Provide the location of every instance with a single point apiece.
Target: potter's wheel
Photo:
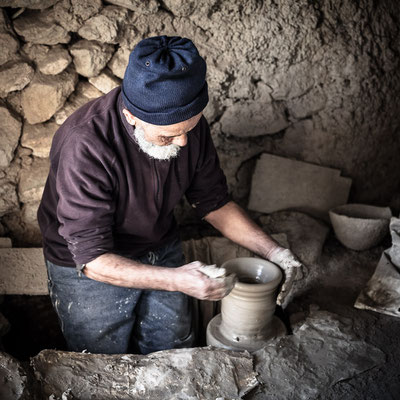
(216, 338)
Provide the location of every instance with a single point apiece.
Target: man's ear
(129, 117)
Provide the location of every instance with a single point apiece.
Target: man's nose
(180, 140)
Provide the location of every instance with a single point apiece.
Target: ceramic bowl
(360, 226)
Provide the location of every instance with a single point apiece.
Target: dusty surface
(334, 286)
(201, 373)
(321, 352)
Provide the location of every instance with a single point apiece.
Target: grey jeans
(104, 318)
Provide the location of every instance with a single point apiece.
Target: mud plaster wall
(318, 81)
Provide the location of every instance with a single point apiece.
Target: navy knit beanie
(164, 82)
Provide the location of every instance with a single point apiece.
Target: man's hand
(289, 263)
(193, 280)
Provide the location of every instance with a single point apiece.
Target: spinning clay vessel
(247, 318)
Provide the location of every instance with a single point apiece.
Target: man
(119, 166)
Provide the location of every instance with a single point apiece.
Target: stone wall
(314, 81)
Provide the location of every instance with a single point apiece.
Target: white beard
(152, 150)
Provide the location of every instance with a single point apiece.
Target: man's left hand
(289, 263)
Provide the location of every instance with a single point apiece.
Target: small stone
(14, 76)
(38, 137)
(104, 27)
(39, 27)
(90, 57)
(99, 28)
(14, 102)
(84, 92)
(71, 14)
(32, 180)
(55, 61)
(8, 43)
(10, 131)
(35, 4)
(139, 6)
(181, 8)
(46, 94)
(119, 62)
(35, 51)
(105, 81)
(8, 198)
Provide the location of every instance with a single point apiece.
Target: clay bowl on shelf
(360, 226)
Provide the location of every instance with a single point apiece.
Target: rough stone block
(35, 51)
(139, 6)
(55, 61)
(199, 373)
(38, 137)
(105, 81)
(23, 271)
(14, 76)
(181, 8)
(84, 92)
(71, 14)
(33, 179)
(100, 28)
(39, 27)
(46, 94)
(10, 131)
(279, 184)
(90, 57)
(322, 351)
(119, 62)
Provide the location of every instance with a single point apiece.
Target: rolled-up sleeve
(208, 190)
(86, 203)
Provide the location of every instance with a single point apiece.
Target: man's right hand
(191, 281)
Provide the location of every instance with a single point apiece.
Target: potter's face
(161, 142)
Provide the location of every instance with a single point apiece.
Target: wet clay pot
(360, 226)
(247, 318)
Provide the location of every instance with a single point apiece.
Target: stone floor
(331, 285)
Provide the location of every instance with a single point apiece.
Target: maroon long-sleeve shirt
(103, 194)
